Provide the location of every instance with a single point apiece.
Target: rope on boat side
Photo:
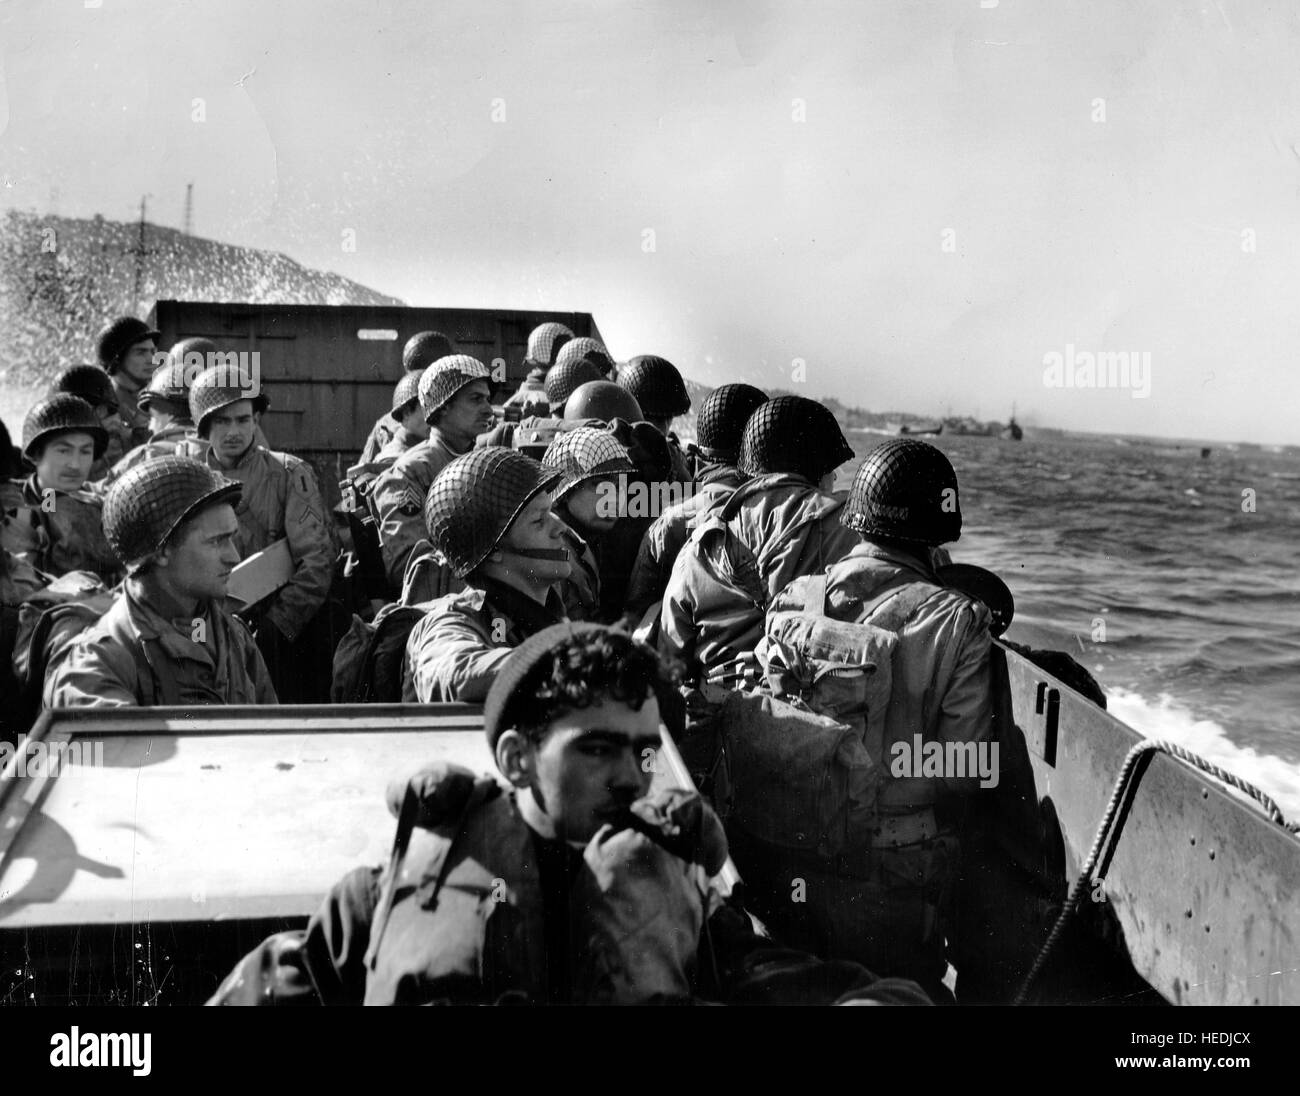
(1122, 784)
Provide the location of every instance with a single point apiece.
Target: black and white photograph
(770, 505)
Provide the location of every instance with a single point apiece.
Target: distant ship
(1012, 431)
(920, 428)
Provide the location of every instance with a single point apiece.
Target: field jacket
(738, 557)
(138, 656)
(69, 531)
(281, 499)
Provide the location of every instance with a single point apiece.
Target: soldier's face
(593, 764)
(65, 462)
(467, 414)
(537, 527)
(198, 562)
(159, 417)
(230, 429)
(413, 422)
(588, 505)
(138, 363)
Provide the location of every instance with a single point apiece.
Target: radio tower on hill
(189, 209)
(139, 251)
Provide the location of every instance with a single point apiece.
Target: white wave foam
(1168, 719)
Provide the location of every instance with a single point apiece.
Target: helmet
(602, 400)
(584, 454)
(408, 389)
(447, 376)
(588, 350)
(792, 434)
(88, 382)
(61, 414)
(657, 386)
(216, 388)
(424, 348)
(723, 417)
(905, 489)
(472, 502)
(565, 376)
(186, 350)
(147, 503)
(545, 343)
(118, 337)
(168, 383)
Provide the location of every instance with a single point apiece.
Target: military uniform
(281, 500)
(454, 653)
(397, 500)
(173, 439)
(139, 655)
(69, 534)
(132, 424)
(772, 530)
(668, 533)
(580, 592)
(384, 430)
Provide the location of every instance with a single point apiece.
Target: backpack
(803, 749)
(47, 624)
(368, 659)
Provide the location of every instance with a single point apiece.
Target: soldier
(544, 343)
(903, 504)
(456, 395)
(92, 384)
(167, 640)
(51, 518)
(280, 500)
(571, 369)
(721, 424)
(126, 351)
(586, 500)
(781, 524)
(408, 413)
(421, 350)
(661, 394)
(489, 517)
(166, 401)
(575, 883)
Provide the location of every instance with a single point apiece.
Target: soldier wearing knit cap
(604, 877)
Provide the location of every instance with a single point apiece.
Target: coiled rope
(1123, 783)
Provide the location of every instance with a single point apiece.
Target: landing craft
(1100, 868)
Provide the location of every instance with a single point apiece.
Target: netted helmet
(61, 414)
(118, 337)
(722, 420)
(219, 387)
(447, 376)
(407, 390)
(168, 384)
(565, 377)
(588, 350)
(905, 489)
(603, 400)
(147, 504)
(792, 434)
(585, 453)
(545, 343)
(87, 382)
(657, 386)
(424, 348)
(473, 501)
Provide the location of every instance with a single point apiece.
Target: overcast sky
(919, 201)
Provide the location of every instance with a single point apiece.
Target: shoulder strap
(899, 602)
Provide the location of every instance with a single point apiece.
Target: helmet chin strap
(555, 555)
